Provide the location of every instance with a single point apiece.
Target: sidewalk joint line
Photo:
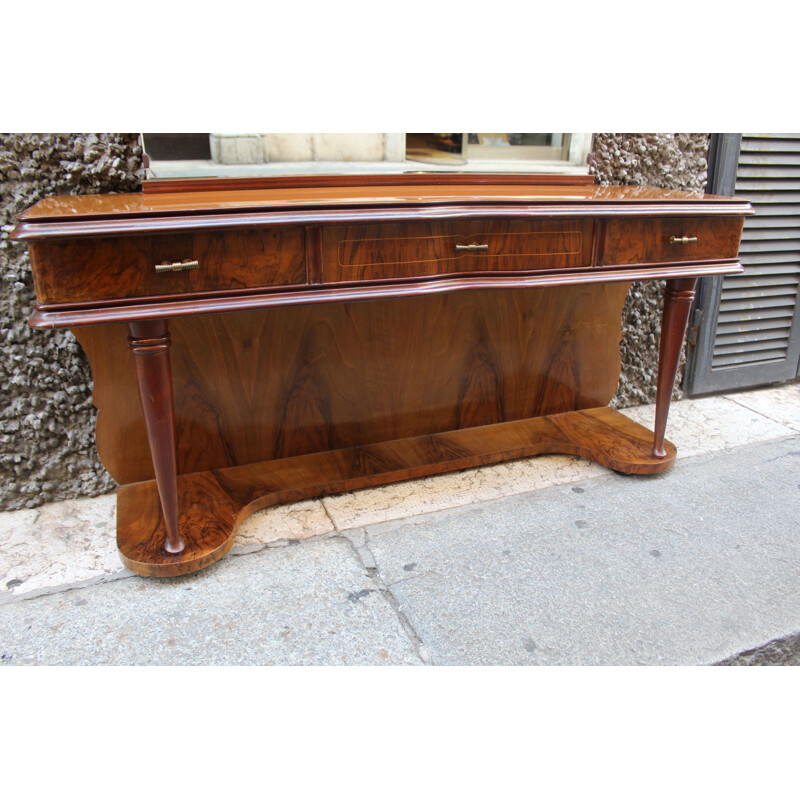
(420, 648)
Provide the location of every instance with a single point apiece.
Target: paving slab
(72, 543)
(311, 603)
(712, 423)
(780, 403)
(688, 567)
(421, 496)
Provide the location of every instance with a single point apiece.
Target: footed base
(213, 504)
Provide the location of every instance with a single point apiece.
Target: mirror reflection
(180, 155)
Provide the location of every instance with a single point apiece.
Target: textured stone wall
(47, 447)
(669, 161)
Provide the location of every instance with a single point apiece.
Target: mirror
(185, 155)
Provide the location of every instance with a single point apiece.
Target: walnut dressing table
(262, 341)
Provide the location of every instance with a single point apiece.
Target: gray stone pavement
(691, 567)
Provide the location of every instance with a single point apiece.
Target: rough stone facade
(669, 161)
(47, 447)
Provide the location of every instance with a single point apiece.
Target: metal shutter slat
(779, 313)
(782, 232)
(766, 185)
(760, 221)
(744, 327)
(753, 304)
(766, 158)
(772, 171)
(747, 359)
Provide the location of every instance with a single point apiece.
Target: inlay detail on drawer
(365, 252)
(74, 271)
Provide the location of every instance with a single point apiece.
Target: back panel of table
(257, 385)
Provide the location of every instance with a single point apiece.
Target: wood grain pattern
(149, 342)
(637, 241)
(78, 271)
(255, 386)
(308, 389)
(172, 185)
(379, 252)
(77, 208)
(678, 297)
(169, 308)
(215, 503)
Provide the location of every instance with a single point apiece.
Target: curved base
(213, 504)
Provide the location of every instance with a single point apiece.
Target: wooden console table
(263, 341)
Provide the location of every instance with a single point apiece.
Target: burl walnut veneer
(259, 341)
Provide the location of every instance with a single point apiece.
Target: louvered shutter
(750, 323)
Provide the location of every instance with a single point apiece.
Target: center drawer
(408, 250)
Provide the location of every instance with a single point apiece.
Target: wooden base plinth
(213, 504)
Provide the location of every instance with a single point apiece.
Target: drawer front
(376, 252)
(659, 239)
(105, 269)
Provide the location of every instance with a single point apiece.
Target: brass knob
(471, 248)
(177, 266)
(682, 239)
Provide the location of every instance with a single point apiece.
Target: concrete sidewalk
(549, 560)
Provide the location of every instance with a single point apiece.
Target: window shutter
(752, 333)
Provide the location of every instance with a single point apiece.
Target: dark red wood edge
(85, 227)
(411, 178)
(315, 280)
(74, 317)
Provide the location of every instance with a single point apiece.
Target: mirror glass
(185, 155)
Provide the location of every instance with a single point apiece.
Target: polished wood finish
(678, 297)
(638, 241)
(150, 342)
(204, 211)
(364, 347)
(380, 252)
(215, 503)
(172, 185)
(80, 271)
(253, 387)
(168, 308)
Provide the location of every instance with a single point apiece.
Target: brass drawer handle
(177, 266)
(471, 248)
(682, 239)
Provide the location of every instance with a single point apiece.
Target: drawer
(408, 250)
(106, 269)
(644, 241)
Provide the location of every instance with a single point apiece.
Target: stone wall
(669, 161)
(47, 447)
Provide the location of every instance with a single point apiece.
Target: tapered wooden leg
(677, 303)
(150, 342)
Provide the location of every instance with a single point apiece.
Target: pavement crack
(366, 559)
(328, 515)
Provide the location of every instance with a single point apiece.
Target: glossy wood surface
(80, 271)
(77, 208)
(637, 241)
(215, 503)
(370, 252)
(172, 185)
(364, 348)
(255, 386)
(678, 297)
(172, 307)
(149, 342)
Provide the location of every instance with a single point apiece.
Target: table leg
(677, 303)
(150, 342)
